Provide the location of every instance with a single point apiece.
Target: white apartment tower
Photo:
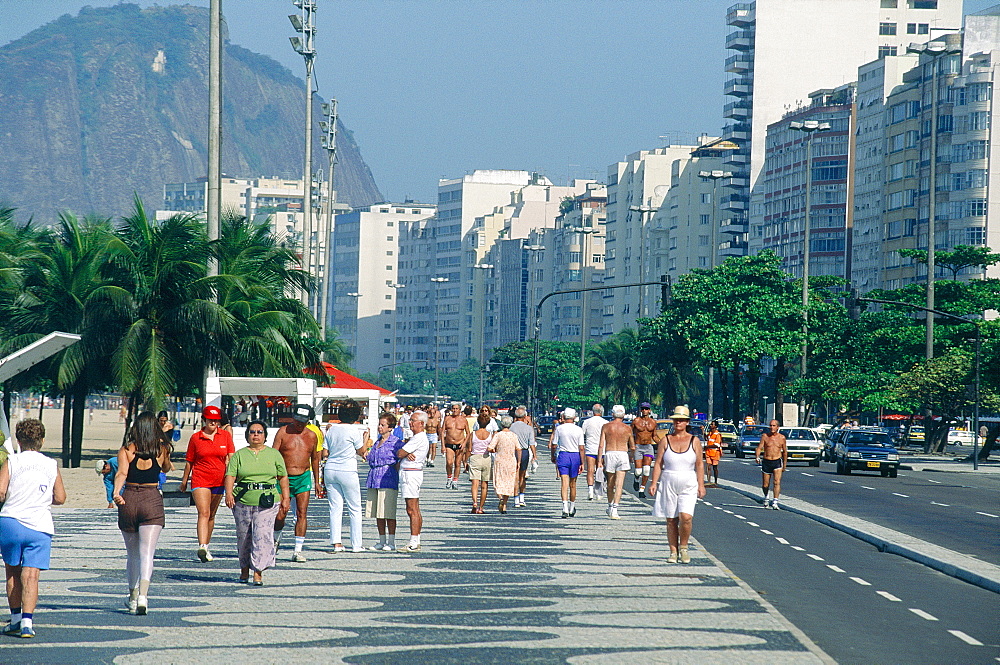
(364, 271)
(781, 50)
(636, 188)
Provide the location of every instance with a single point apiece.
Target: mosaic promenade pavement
(526, 587)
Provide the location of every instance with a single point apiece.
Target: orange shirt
(714, 447)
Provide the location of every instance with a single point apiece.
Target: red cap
(211, 413)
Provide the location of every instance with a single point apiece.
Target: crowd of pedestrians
(263, 484)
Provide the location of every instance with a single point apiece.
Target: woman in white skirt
(678, 481)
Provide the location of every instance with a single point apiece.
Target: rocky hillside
(115, 101)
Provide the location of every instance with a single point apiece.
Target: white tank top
(29, 495)
(479, 446)
(679, 462)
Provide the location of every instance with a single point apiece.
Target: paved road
(527, 587)
(859, 605)
(960, 511)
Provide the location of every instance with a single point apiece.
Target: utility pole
(714, 177)
(214, 195)
(644, 211)
(329, 141)
(305, 24)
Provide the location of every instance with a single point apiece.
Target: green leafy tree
(558, 372)
(959, 258)
(616, 369)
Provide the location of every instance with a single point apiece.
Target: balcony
(738, 181)
(733, 248)
(741, 40)
(737, 132)
(741, 15)
(735, 226)
(741, 63)
(739, 87)
(737, 159)
(737, 202)
(738, 110)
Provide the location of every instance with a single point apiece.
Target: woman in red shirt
(208, 454)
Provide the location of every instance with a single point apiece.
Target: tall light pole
(585, 234)
(305, 24)
(643, 211)
(482, 327)
(329, 142)
(437, 281)
(934, 50)
(714, 177)
(395, 322)
(213, 212)
(354, 295)
(809, 127)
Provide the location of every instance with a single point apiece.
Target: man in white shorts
(591, 439)
(411, 476)
(614, 449)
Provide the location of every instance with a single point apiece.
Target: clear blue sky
(437, 88)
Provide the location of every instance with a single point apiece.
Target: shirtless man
(456, 431)
(434, 425)
(772, 455)
(643, 428)
(298, 445)
(613, 452)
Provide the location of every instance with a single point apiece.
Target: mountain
(115, 101)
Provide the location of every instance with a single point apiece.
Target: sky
(437, 88)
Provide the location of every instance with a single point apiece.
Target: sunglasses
(255, 431)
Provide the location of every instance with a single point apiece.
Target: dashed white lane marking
(839, 482)
(747, 463)
(923, 615)
(936, 482)
(905, 496)
(781, 540)
(753, 524)
(739, 517)
(706, 502)
(765, 531)
(836, 569)
(965, 638)
(809, 474)
(814, 556)
(867, 488)
(728, 512)
(946, 505)
(987, 514)
(861, 581)
(889, 596)
(798, 549)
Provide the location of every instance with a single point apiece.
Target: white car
(804, 445)
(960, 437)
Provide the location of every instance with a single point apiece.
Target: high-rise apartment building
(364, 272)
(787, 174)
(783, 49)
(636, 189)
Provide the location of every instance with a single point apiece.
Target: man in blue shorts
(568, 454)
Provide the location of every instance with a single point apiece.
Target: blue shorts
(525, 458)
(568, 464)
(21, 546)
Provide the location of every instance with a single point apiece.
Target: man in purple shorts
(568, 454)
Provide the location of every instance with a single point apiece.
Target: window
(704, 219)
(884, 51)
(897, 113)
(975, 208)
(706, 198)
(383, 210)
(923, 4)
(703, 241)
(917, 28)
(830, 170)
(977, 121)
(886, 28)
(897, 171)
(978, 92)
(889, 4)
(389, 238)
(388, 267)
(897, 142)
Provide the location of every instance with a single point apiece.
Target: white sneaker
(410, 547)
(141, 605)
(204, 554)
(614, 514)
(767, 502)
(774, 504)
(357, 550)
(339, 548)
(298, 557)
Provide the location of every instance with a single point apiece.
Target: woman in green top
(256, 487)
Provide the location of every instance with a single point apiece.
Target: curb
(951, 563)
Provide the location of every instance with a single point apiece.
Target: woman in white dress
(678, 481)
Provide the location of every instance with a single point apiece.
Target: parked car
(866, 450)
(546, 424)
(916, 437)
(665, 425)
(749, 439)
(803, 444)
(960, 437)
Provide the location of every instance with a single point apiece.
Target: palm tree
(616, 370)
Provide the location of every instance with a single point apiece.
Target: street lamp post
(934, 50)
(395, 321)
(329, 142)
(585, 247)
(437, 281)
(482, 328)
(809, 127)
(643, 210)
(715, 177)
(305, 24)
